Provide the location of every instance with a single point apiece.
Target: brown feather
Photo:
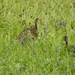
(32, 31)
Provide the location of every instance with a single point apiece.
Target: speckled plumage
(30, 32)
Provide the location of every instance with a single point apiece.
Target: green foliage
(46, 55)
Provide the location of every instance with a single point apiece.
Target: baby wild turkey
(31, 32)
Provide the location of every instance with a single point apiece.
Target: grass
(48, 54)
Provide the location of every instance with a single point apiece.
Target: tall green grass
(46, 55)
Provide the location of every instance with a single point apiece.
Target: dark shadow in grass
(66, 40)
(23, 21)
(73, 51)
(73, 4)
(73, 25)
(34, 52)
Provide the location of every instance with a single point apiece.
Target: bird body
(30, 32)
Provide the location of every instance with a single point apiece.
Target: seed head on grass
(61, 23)
(20, 68)
(23, 42)
(44, 31)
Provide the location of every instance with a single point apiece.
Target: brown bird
(30, 32)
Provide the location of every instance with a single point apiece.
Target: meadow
(48, 54)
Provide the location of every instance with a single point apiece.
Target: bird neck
(36, 24)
